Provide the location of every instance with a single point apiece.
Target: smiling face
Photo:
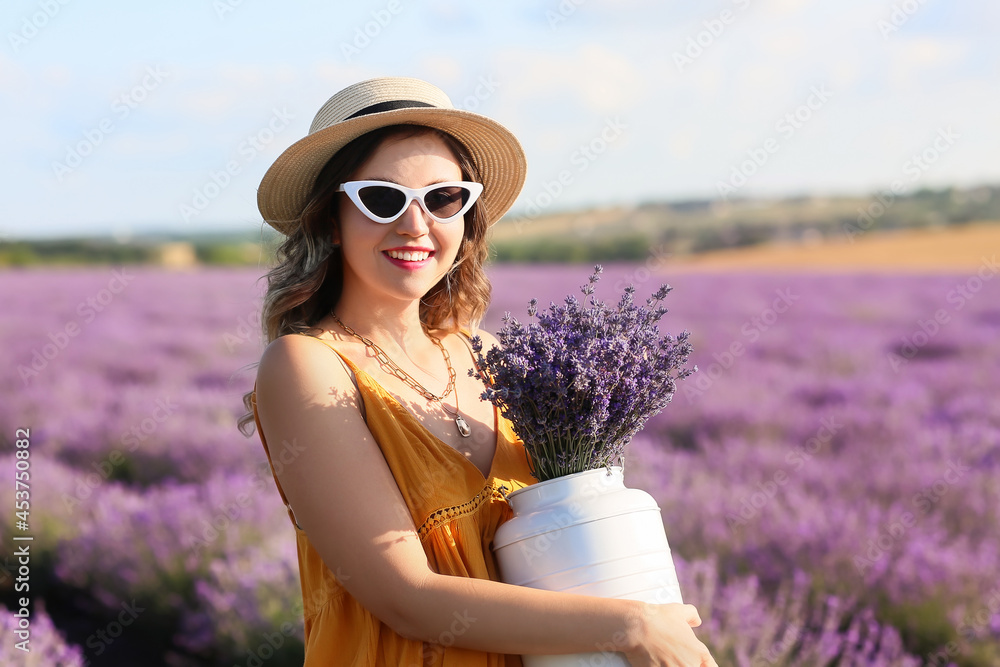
(403, 259)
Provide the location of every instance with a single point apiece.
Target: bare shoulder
(301, 366)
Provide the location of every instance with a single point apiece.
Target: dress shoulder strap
(467, 339)
(352, 372)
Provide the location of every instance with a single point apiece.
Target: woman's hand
(666, 638)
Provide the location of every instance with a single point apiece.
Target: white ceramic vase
(586, 533)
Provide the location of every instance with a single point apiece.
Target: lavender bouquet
(577, 382)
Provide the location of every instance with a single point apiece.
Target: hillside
(955, 248)
(698, 226)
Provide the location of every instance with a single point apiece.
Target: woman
(392, 468)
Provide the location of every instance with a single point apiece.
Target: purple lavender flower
(579, 380)
(46, 646)
(900, 366)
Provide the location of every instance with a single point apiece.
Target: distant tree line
(675, 227)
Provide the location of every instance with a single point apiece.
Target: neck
(389, 323)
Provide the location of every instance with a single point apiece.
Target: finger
(693, 619)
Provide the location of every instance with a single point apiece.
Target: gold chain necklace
(393, 368)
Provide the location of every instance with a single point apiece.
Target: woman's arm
(345, 498)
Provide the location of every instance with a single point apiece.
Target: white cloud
(444, 71)
(912, 60)
(683, 140)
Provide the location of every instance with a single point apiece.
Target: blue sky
(121, 113)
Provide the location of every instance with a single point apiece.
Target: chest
(439, 417)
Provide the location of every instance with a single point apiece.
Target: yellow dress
(456, 511)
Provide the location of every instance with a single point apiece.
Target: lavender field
(829, 479)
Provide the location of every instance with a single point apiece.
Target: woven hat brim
(285, 188)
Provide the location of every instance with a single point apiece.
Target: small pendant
(463, 427)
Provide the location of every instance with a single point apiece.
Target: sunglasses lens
(382, 201)
(447, 201)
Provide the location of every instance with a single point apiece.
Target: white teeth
(407, 256)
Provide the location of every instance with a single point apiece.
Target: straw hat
(369, 105)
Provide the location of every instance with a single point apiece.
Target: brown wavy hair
(307, 279)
